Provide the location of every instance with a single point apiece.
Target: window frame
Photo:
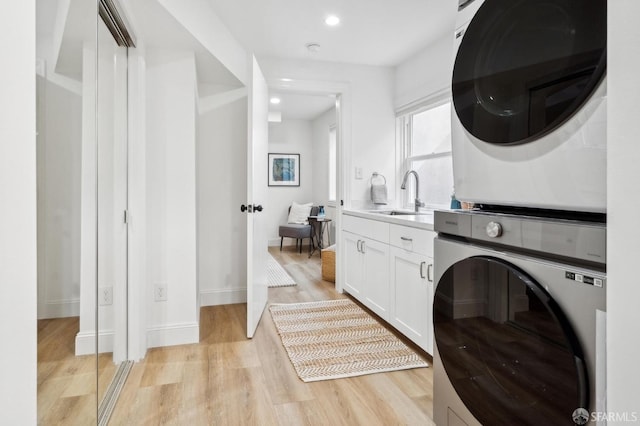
(404, 134)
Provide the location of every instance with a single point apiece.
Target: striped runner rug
(336, 338)
(276, 275)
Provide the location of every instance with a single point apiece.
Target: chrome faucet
(417, 201)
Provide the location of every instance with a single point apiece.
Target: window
(425, 134)
(332, 163)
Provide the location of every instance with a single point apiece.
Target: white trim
(430, 101)
(342, 90)
(171, 335)
(223, 296)
(59, 309)
(275, 242)
(137, 208)
(86, 342)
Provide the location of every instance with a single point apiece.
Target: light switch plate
(358, 172)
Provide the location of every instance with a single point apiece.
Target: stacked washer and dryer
(520, 297)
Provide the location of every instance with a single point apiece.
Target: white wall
(59, 142)
(623, 204)
(18, 245)
(290, 137)
(198, 17)
(171, 196)
(222, 188)
(369, 118)
(426, 73)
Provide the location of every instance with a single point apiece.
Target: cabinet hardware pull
(429, 273)
(406, 239)
(422, 269)
(362, 245)
(359, 246)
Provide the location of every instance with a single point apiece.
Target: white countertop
(422, 221)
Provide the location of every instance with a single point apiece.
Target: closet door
(111, 206)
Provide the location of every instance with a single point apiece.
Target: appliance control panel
(567, 238)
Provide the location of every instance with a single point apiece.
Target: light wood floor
(67, 383)
(227, 379)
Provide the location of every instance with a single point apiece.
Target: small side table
(318, 227)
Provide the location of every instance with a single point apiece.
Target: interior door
(257, 239)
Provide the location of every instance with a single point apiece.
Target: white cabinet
(411, 284)
(412, 296)
(354, 264)
(389, 268)
(376, 276)
(367, 263)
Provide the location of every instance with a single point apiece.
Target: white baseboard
(59, 309)
(174, 334)
(276, 242)
(86, 342)
(223, 296)
(287, 242)
(169, 335)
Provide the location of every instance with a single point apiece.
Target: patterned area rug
(336, 338)
(276, 275)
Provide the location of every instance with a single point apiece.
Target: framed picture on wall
(284, 169)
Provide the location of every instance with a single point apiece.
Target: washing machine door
(526, 66)
(507, 349)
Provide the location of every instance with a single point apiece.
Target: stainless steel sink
(400, 212)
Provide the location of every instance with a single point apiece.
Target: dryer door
(507, 348)
(525, 66)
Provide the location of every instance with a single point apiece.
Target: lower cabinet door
(353, 265)
(411, 296)
(376, 277)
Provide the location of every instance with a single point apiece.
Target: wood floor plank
(227, 379)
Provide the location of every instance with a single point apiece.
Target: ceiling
(371, 32)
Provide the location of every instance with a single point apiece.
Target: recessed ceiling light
(275, 100)
(313, 47)
(332, 20)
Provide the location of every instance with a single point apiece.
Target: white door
(257, 239)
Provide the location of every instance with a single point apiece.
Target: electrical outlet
(105, 296)
(161, 292)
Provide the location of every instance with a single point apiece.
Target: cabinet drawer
(412, 239)
(373, 229)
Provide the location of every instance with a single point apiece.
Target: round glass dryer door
(525, 66)
(507, 348)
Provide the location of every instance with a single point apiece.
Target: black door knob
(257, 208)
(243, 208)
